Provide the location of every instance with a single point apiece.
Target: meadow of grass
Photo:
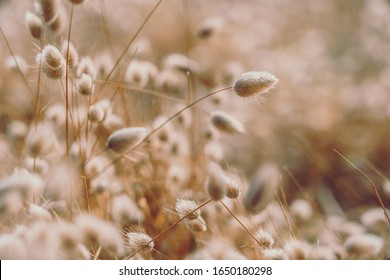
(183, 129)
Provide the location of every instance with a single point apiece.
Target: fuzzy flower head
(254, 83)
(185, 208)
(125, 139)
(138, 241)
(52, 62)
(265, 239)
(226, 123)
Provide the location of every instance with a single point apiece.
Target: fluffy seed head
(17, 130)
(196, 225)
(40, 140)
(262, 188)
(364, 245)
(16, 63)
(104, 64)
(97, 231)
(181, 63)
(12, 247)
(99, 111)
(52, 62)
(77, 2)
(184, 207)
(215, 183)
(226, 122)
(112, 123)
(48, 9)
(125, 211)
(137, 74)
(254, 83)
(274, 254)
(57, 24)
(17, 189)
(296, 249)
(55, 115)
(301, 210)
(85, 84)
(140, 240)
(73, 57)
(232, 187)
(85, 66)
(125, 139)
(265, 239)
(34, 24)
(374, 219)
(209, 27)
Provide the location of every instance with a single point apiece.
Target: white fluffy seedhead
(55, 115)
(209, 27)
(226, 123)
(85, 84)
(34, 24)
(137, 74)
(104, 64)
(113, 122)
(48, 9)
(36, 165)
(169, 80)
(17, 189)
(52, 62)
(196, 225)
(73, 56)
(99, 111)
(140, 241)
(215, 183)
(262, 188)
(374, 220)
(123, 140)
(57, 24)
(274, 254)
(40, 140)
(125, 211)
(232, 187)
(301, 210)
(185, 208)
(16, 63)
(265, 239)
(17, 130)
(98, 232)
(85, 66)
(297, 249)
(254, 83)
(12, 247)
(181, 63)
(364, 245)
(78, 2)
(37, 212)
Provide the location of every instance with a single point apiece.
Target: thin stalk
(16, 62)
(130, 43)
(243, 226)
(66, 84)
(164, 123)
(372, 185)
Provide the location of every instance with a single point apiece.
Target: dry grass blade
(372, 185)
(16, 62)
